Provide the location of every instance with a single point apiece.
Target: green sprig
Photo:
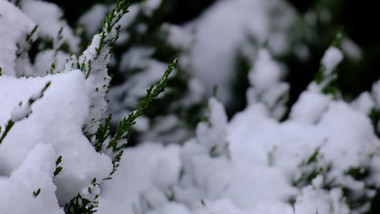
(152, 92)
(81, 205)
(31, 100)
(37, 192)
(124, 131)
(58, 168)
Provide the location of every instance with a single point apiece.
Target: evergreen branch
(58, 168)
(8, 127)
(103, 133)
(29, 36)
(328, 80)
(81, 205)
(111, 20)
(152, 92)
(123, 133)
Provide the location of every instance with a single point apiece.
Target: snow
(94, 61)
(364, 103)
(223, 206)
(137, 84)
(332, 57)
(38, 168)
(340, 118)
(60, 105)
(93, 19)
(212, 133)
(269, 184)
(316, 200)
(265, 71)
(126, 21)
(14, 27)
(309, 107)
(258, 126)
(177, 36)
(160, 171)
(171, 208)
(252, 163)
(149, 6)
(266, 86)
(49, 27)
(136, 58)
(41, 68)
(225, 27)
(351, 49)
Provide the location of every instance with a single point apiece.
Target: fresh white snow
(250, 164)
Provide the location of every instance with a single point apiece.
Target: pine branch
(123, 133)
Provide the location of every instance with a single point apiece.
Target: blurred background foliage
(357, 19)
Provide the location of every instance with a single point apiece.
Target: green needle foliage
(329, 82)
(119, 141)
(37, 192)
(81, 205)
(58, 168)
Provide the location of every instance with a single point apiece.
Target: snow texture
(226, 27)
(64, 107)
(49, 27)
(265, 163)
(267, 88)
(142, 186)
(364, 103)
(38, 168)
(15, 25)
(93, 18)
(212, 134)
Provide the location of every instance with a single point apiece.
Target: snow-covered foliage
(215, 65)
(62, 152)
(266, 88)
